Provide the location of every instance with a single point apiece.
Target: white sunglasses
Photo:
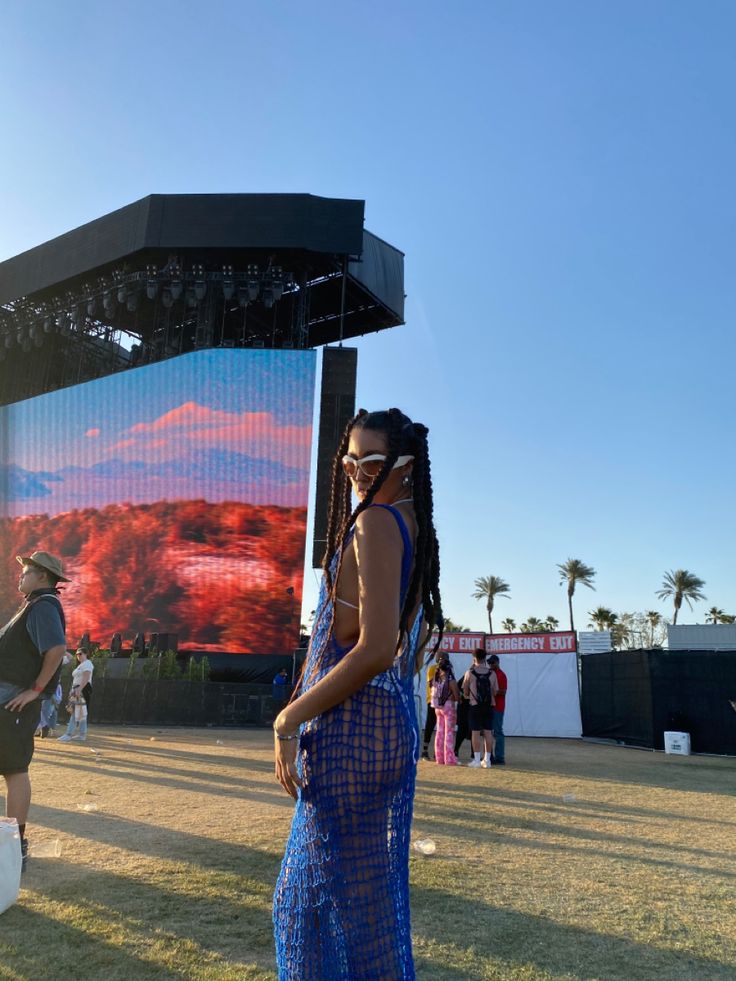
(370, 465)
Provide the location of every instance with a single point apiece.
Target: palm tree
(681, 585)
(573, 572)
(532, 625)
(488, 588)
(714, 615)
(602, 618)
(552, 623)
(653, 619)
(508, 625)
(454, 628)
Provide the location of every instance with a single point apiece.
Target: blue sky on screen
(560, 176)
(220, 425)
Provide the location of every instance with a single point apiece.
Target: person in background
(445, 696)
(49, 713)
(79, 699)
(32, 646)
(280, 686)
(462, 732)
(431, 720)
(480, 685)
(499, 707)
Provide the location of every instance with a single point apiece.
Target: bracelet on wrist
(37, 688)
(283, 737)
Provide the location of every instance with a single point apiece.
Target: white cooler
(677, 742)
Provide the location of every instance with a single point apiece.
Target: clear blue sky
(561, 178)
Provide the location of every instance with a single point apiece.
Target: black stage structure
(174, 273)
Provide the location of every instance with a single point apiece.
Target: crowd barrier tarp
(543, 698)
(617, 697)
(692, 692)
(254, 669)
(636, 696)
(144, 701)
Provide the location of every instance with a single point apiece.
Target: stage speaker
(336, 409)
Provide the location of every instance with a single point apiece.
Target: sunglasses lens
(372, 468)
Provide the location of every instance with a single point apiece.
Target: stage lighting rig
(176, 286)
(200, 282)
(228, 284)
(253, 282)
(151, 282)
(277, 283)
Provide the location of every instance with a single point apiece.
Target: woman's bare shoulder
(377, 522)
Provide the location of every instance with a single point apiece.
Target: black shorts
(17, 730)
(480, 717)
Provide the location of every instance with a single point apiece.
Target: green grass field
(576, 861)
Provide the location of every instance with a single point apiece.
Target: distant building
(594, 641)
(702, 637)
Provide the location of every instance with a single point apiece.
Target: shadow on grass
(428, 793)
(214, 895)
(33, 945)
(625, 764)
(513, 941)
(205, 782)
(452, 818)
(634, 857)
(160, 842)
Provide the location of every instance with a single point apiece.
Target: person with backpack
(445, 696)
(480, 687)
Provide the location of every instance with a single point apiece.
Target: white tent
(542, 696)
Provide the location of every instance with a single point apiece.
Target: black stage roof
(174, 272)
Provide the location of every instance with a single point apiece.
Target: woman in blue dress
(348, 743)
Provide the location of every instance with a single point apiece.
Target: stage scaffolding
(175, 273)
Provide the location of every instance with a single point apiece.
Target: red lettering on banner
(557, 643)
(461, 643)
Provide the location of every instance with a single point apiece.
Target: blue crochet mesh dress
(341, 907)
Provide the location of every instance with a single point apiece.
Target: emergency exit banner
(561, 642)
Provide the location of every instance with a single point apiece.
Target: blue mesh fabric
(341, 906)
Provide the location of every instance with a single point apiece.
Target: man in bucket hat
(32, 646)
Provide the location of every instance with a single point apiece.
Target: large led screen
(175, 494)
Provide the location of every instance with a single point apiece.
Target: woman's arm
(378, 551)
(455, 690)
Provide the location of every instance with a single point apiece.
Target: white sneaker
(79, 739)
(485, 764)
(474, 763)
(64, 739)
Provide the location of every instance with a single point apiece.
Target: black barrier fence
(144, 701)
(636, 696)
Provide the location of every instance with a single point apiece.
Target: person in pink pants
(445, 696)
